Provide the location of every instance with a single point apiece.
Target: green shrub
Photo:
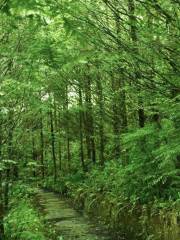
(21, 190)
(23, 223)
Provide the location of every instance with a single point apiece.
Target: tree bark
(1, 190)
(34, 155)
(66, 109)
(101, 120)
(81, 130)
(1, 210)
(134, 38)
(10, 157)
(53, 147)
(91, 151)
(59, 142)
(42, 145)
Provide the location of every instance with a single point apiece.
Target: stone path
(67, 222)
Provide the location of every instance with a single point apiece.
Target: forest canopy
(89, 97)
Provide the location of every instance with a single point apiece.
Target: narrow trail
(67, 222)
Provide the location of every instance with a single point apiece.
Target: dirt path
(67, 222)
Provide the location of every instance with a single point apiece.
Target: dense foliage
(89, 97)
(22, 221)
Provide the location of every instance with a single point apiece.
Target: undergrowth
(22, 222)
(121, 197)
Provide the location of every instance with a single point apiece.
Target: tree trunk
(10, 156)
(66, 109)
(34, 156)
(81, 130)
(89, 121)
(118, 99)
(1, 210)
(115, 118)
(134, 38)
(101, 120)
(59, 142)
(53, 146)
(1, 191)
(42, 146)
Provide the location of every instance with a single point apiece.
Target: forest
(89, 120)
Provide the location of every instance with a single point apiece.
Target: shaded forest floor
(36, 214)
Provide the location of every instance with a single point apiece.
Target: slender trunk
(175, 93)
(1, 210)
(1, 191)
(120, 88)
(57, 126)
(68, 151)
(120, 122)
(88, 141)
(89, 121)
(42, 146)
(115, 119)
(66, 109)
(55, 117)
(81, 130)
(59, 142)
(34, 156)
(101, 120)
(134, 38)
(53, 146)
(10, 152)
(86, 127)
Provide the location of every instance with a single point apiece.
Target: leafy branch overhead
(89, 99)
